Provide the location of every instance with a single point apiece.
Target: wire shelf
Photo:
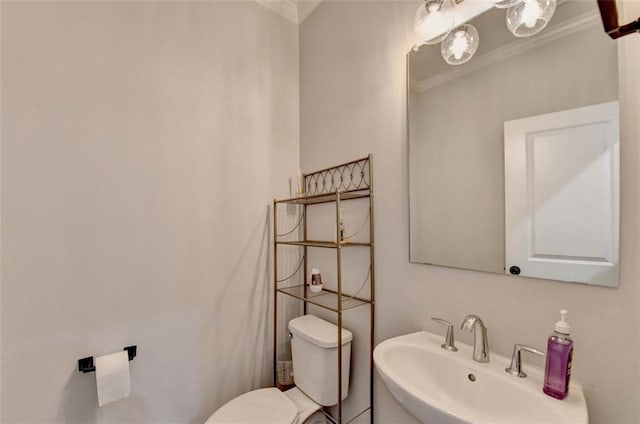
(327, 299)
(326, 198)
(325, 244)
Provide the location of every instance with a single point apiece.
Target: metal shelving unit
(345, 182)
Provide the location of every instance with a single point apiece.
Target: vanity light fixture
(460, 45)
(504, 4)
(529, 17)
(434, 20)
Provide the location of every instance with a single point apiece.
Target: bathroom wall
(353, 101)
(142, 143)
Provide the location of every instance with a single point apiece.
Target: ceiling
(294, 10)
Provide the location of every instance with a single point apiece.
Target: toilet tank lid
(318, 331)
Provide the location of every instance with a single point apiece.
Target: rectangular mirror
(513, 155)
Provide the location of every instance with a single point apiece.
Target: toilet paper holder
(86, 364)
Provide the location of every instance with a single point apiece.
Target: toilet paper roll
(112, 377)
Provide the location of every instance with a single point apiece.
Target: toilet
(314, 345)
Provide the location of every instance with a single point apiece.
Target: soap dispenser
(557, 371)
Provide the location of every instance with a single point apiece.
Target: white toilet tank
(315, 358)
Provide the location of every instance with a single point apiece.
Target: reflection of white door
(562, 195)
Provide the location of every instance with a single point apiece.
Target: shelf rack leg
(275, 293)
(372, 286)
(339, 282)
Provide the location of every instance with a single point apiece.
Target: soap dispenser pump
(557, 371)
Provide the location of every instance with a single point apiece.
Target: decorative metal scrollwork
(351, 176)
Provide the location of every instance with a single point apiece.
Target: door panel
(562, 195)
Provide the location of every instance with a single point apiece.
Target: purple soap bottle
(557, 372)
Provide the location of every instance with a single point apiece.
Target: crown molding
(305, 7)
(294, 10)
(571, 26)
(286, 8)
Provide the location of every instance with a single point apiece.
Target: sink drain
(471, 377)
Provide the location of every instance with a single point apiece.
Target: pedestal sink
(438, 386)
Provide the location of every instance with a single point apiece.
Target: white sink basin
(438, 386)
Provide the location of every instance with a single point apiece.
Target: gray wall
(353, 101)
(142, 143)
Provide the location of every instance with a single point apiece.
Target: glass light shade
(503, 4)
(434, 20)
(530, 17)
(460, 45)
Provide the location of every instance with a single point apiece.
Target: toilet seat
(268, 406)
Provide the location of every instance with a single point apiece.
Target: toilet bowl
(314, 345)
(269, 406)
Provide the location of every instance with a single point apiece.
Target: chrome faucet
(449, 343)
(480, 341)
(515, 368)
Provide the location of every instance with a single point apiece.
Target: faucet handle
(515, 369)
(449, 343)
